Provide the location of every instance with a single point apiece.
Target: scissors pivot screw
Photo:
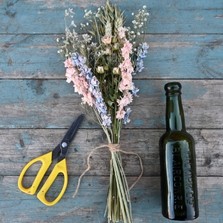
(64, 144)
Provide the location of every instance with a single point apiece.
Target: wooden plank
(22, 145)
(37, 106)
(52, 104)
(166, 16)
(35, 56)
(89, 205)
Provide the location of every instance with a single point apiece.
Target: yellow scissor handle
(60, 167)
(46, 160)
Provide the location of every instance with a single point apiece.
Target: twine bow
(112, 148)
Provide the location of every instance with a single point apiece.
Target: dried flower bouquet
(100, 64)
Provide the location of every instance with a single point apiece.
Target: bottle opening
(173, 88)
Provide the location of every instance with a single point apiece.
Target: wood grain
(42, 104)
(37, 106)
(25, 144)
(89, 205)
(166, 16)
(35, 56)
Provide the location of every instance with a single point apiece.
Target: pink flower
(87, 98)
(126, 49)
(125, 85)
(126, 66)
(125, 100)
(106, 39)
(70, 73)
(126, 73)
(68, 63)
(80, 85)
(121, 32)
(126, 62)
(120, 114)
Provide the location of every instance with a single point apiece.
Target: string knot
(113, 147)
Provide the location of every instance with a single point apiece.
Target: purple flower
(79, 61)
(143, 49)
(94, 82)
(134, 90)
(106, 120)
(141, 54)
(139, 65)
(126, 117)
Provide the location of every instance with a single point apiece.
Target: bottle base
(180, 218)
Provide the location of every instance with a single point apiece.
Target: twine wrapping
(112, 148)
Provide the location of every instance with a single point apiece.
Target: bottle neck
(174, 113)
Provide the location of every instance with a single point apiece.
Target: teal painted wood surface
(37, 106)
(89, 205)
(170, 56)
(42, 104)
(22, 145)
(167, 16)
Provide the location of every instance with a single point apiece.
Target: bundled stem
(118, 200)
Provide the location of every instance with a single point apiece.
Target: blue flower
(79, 61)
(143, 49)
(126, 117)
(94, 82)
(106, 120)
(134, 90)
(139, 65)
(101, 107)
(141, 54)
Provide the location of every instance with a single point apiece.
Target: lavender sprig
(80, 63)
(142, 51)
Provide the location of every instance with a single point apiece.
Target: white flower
(71, 10)
(73, 24)
(115, 70)
(87, 38)
(100, 69)
(66, 12)
(107, 51)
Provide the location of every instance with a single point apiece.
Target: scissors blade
(61, 149)
(72, 130)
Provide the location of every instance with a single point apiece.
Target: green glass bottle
(177, 161)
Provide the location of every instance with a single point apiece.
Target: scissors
(58, 153)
